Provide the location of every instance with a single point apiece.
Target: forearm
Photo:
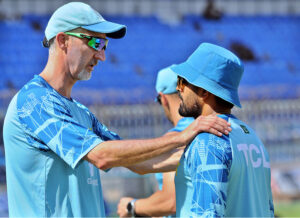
(161, 203)
(163, 163)
(128, 152)
(158, 204)
(110, 154)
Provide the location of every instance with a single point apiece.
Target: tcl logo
(249, 151)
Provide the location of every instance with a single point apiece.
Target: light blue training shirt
(225, 176)
(46, 137)
(181, 125)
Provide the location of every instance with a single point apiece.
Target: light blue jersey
(224, 176)
(46, 136)
(181, 125)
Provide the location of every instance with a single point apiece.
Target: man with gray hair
(54, 144)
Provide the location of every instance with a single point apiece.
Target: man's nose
(100, 55)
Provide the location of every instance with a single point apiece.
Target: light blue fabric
(45, 137)
(227, 176)
(159, 179)
(166, 81)
(181, 125)
(215, 69)
(77, 14)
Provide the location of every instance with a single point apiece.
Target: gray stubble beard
(84, 75)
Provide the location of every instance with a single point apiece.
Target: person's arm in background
(110, 154)
(161, 203)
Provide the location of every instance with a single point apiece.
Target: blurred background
(265, 34)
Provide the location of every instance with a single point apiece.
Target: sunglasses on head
(94, 42)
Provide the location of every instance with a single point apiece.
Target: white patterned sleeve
(49, 125)
(209, 163)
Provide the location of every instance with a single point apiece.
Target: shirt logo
(91, 180)
(244, 128)
(255, 154)
(91, 169)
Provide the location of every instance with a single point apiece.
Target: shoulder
(35, 91)
(211, 140)
(209, 145)
(241, 128)
(237, 124)
(31, 95)
(36, 85)
(36, 96)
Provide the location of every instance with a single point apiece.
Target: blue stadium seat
(133, 62)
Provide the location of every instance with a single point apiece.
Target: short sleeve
(48, 124)
(209, 163)
(102, 131)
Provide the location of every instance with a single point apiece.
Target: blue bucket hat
(77, 14)
(166, 81)
(214, 69)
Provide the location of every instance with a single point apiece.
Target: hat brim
(195, 78)
(112, 30)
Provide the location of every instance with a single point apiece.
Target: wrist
(131, 207)
(182, 139)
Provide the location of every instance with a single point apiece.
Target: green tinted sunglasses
(94, 42)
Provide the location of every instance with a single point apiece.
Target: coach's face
(190, 105)
(81, 59)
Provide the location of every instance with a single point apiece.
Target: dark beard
(194, 111)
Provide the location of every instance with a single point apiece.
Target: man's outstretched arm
(110, 154)
(165, 162)
(161, 203)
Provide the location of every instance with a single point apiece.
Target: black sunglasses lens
(158, 99)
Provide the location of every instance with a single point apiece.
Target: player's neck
(175, 115)
(209, 110)
(57, 77)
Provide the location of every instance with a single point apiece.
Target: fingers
(211, 124)
(214, 125)
(122, 211)
(221, 126)
(122, 207)
(215, 132)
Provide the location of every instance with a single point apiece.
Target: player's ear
(62, 39)
(203, 93)
(164, 99)
(206, 93)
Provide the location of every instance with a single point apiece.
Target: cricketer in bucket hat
(77, 14)
(215, 69)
